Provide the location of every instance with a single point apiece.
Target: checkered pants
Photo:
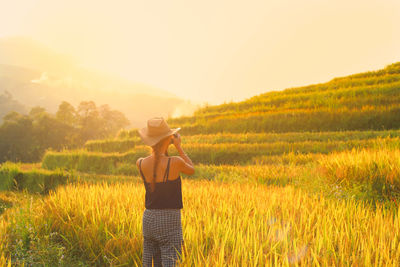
(162, 237)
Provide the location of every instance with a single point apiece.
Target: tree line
(25, 137)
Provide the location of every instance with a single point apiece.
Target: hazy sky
(215, 51)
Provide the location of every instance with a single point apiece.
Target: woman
(162, 227)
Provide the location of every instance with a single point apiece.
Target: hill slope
(36, 75)
(369, 100)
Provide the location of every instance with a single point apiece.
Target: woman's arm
(185, 163)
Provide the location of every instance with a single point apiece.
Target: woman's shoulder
(176, 159)
(141, 159)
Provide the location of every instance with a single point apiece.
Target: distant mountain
(8, 104)
(363, 101)
(36, 75)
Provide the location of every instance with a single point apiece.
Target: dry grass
(224, 225)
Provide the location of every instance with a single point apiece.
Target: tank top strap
(140, 169)
(166, 174)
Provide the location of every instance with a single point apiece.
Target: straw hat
(157, 129)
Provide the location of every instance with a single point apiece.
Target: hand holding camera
(176, 140)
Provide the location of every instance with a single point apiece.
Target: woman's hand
(177, 140)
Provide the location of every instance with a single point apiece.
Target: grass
(15, 177)
(370, 174)
(327, 207)
(218, 154)
(232, 224)
(125, 145)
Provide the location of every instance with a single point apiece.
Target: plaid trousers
(162, 237)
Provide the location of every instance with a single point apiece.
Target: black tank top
(167, 194)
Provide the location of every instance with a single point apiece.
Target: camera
(172, 139)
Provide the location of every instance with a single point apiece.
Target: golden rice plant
(279, 174)
(374, 117)
(363, 85)
(111, 145)
(5, 261)
(374, 171)
(234, 224)
(124, 145)
(230, 153)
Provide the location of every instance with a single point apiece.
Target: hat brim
(152, 140)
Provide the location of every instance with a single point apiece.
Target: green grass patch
(12, 177)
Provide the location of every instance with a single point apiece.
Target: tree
(36, 112)
(52, 133)
(87, 109)
(113, 120)
(66, 113)
(99, 122)
(8, 104)
(12, 116)
(17, 138)
(26, 137)
(89, 121)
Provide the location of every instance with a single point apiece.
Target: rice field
(202, 153)
(123, 145)
(224, 224)
(364, 101)
(293, 199)
(306, 211)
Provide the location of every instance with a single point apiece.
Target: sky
(215, 51)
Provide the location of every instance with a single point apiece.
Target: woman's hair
(156, 149)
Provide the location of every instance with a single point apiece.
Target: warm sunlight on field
(224, 224)
(285, 115)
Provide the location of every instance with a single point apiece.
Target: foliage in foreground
(372, 174)
(12, 177)
(224, 224)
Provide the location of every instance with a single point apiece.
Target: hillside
(37, 76)
(364, 101)
(8, 104)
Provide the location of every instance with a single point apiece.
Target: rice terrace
(199, 133)
(307, 176)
